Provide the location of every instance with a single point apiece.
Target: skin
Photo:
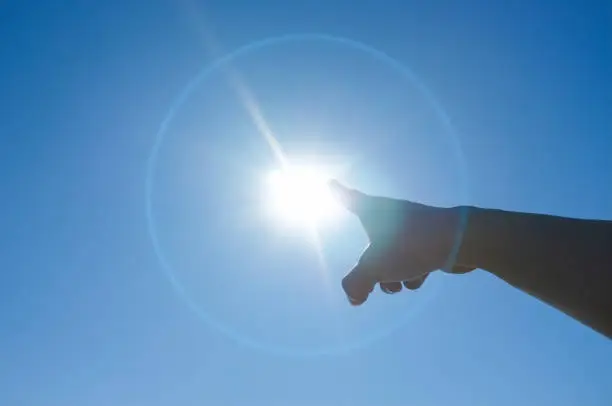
(564, 262)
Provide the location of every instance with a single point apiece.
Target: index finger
(351, 199)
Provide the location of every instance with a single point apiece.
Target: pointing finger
(351, 199)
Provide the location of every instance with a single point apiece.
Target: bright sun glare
(301, 196)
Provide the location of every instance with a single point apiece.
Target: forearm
(564, 262)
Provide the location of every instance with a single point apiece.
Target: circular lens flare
(301, 196)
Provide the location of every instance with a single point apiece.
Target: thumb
(351, 199)
(360, 281)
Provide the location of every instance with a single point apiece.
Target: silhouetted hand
(407, 242)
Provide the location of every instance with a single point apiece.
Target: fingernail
(355, 302)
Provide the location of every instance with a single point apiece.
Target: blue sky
(87, 314)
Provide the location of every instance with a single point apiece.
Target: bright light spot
(300, 196)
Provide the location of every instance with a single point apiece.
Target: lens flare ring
(221, 62)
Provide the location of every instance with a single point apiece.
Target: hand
(408, 241)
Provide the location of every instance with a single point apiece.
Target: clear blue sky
(87, 315)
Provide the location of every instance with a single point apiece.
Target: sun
(300, 196)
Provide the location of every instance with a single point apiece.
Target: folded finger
(416, 283)
(391, 287)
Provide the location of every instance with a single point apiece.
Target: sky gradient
(502, 105)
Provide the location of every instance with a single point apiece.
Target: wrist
(453, 228)
(467, 234)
